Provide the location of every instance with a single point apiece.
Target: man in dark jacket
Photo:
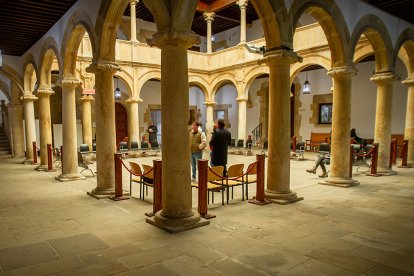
(219, 142)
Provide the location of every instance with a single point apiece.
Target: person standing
(220, 140)
(152, 131)
(197, 144)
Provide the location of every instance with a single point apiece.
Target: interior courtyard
(287, 78)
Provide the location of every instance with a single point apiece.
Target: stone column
(383, 120)
(278, 172)
(86, 101)
(176, 213)
(243, 5)
(209, 17)
(69, 137)
(16, 125)
(242, 119)
(133, 120)
(209, 119)
(409, 121)
(105, 128)
(133, 4)
(45, 127)
(29, 125)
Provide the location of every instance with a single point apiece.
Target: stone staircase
(5, 151)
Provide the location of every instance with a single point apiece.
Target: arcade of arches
(61, 91)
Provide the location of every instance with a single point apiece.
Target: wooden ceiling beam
(215, 6)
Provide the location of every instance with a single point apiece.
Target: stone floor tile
(112, 253)
(383, 270)
(313, 267)
(75, 245)
(231, 267)
(199, 252)
(149, 257)
(371, 242)
(185, 265)
(104, 269)
(151, 270)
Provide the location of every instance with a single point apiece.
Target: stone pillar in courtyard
(86, 101)
(409, 121)
(278, 172)
(243, 5)
(45, 127)
(29, 125)
(242, 123)
(209, 17)
(176, 214)
(209, 119)
(133, 120)
(133, 5)
(15, 112)
(383, 118)
(105, 128)
(341, 128)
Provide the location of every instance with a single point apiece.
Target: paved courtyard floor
(53, 228)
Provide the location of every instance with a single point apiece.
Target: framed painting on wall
(325, 113)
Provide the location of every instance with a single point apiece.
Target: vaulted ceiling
(23, 22)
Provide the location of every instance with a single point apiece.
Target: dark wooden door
(121, 123)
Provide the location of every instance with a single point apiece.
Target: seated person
(355, 136)
(320, 162)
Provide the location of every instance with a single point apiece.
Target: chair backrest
(135, 168)
(144, 145)
(233, 143)
(265, 145)
(252, 169)
(325, 148)
(148, 168)
(84, 148)
(134, 145)
(235, 170)
(123, 145)
(300, 145)
(56, 152)
(217, 170)
(240, 143)
(94, 147)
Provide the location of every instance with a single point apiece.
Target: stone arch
(127, 79)
(330, 17)
(296, 68)
(29, 81)
(49, 53)
(378, 35)
(155, 74)
(5, 89)
(77, 25)
(200, 83)
(362, 51)
(406, 41)
(219, 81)
(251, 76)
(273, 16)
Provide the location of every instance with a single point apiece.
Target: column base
(386, 171)
(42, 168)
(175, 225)
(64, 177)
(101, 193)
(282, 198)
(339, 182)
(28, 162)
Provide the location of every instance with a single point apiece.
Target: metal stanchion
(34, 153)
(351, 160)
(293, 147)
(260, 199)
(50, 159)
(374, 161)
(157, 191)
(202, 189)
(393, 152)
(119, 193)
(404, 155)
(61, 157)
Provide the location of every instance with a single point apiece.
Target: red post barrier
(202, 189)
(157, 194)
(294, 146)
(404, 155)
(50, 158)
(34, 153)
(119, 193)
(374, 160)
(351, 160)
(393, 152)
(260, 199)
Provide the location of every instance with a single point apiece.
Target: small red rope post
(294, 146)
(50, 158)
(260, 199)
(351, 159)
(61, 157)
(393, 152)
(119, 193)
(157, 191)
(34, 153)
(404, 155)
(202, 189)
(374, 161)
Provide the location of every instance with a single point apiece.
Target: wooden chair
(251, 177)
(212, 177)
(135, 169)
(232, 172)
(147, 179)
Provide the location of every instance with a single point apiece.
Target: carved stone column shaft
(29, 125)
(409, 121)
(45, 127)
(209, 119)
(15, 112)
(133, 120)
(86, 101)
(242, 123)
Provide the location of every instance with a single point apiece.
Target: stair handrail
(257, 133)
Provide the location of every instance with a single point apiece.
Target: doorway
(121, 122)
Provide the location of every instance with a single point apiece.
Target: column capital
(103, 66)
(28, 98)
(69, 83)
(342, 72)
(133, 100)
(86, 98)
(209, 16)
(173, 38)
(384, 77)
(210, 103)
(409, 81)
(242, 3)
(280, 56)
(12, 106)
(241, 99)
(133, 2)
(45, 92)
